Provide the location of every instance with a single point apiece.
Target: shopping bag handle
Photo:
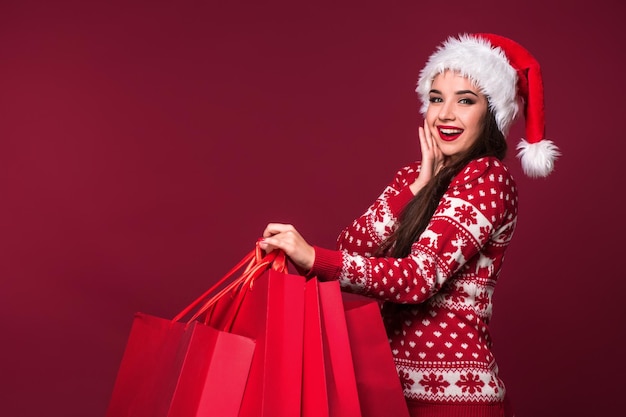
(237, 289)
(257, 263)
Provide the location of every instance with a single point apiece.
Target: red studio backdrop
(145, 145)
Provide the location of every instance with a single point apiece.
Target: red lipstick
(449, 133)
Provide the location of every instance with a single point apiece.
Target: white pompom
(537, 158)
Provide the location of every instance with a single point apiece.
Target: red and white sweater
(442, 292)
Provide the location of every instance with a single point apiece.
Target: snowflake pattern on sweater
(439, 298)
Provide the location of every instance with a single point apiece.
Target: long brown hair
(416, 215)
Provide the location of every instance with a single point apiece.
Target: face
(455, 113)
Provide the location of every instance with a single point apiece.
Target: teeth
(450, 131)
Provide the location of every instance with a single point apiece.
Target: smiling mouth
(449, 133)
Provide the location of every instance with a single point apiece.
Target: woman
(432, 245)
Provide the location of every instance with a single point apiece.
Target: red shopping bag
(269, 308)
(348, 364)
(176, 369)
(171, 369)
(379, 387)
(314, 392)
(329, 383)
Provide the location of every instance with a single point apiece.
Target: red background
(145, 145)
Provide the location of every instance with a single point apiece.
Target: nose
(446, 111)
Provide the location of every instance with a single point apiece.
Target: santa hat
(505, 72)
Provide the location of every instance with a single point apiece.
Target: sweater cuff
(398, 201)
(327, 264)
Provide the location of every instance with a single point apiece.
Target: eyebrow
(458, 93)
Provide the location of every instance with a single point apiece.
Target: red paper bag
(329, 383)
(314, 392)
(174, 369)
(272, 313)
(363, 374)
(379, 387)
(267, 306)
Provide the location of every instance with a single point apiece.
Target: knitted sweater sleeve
(476, 204)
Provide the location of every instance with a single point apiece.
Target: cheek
(471, 140)
(479, 121)
(430, 118)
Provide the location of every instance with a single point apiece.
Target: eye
(435, 99)
(466, 100)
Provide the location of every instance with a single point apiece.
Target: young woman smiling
(431, 247)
